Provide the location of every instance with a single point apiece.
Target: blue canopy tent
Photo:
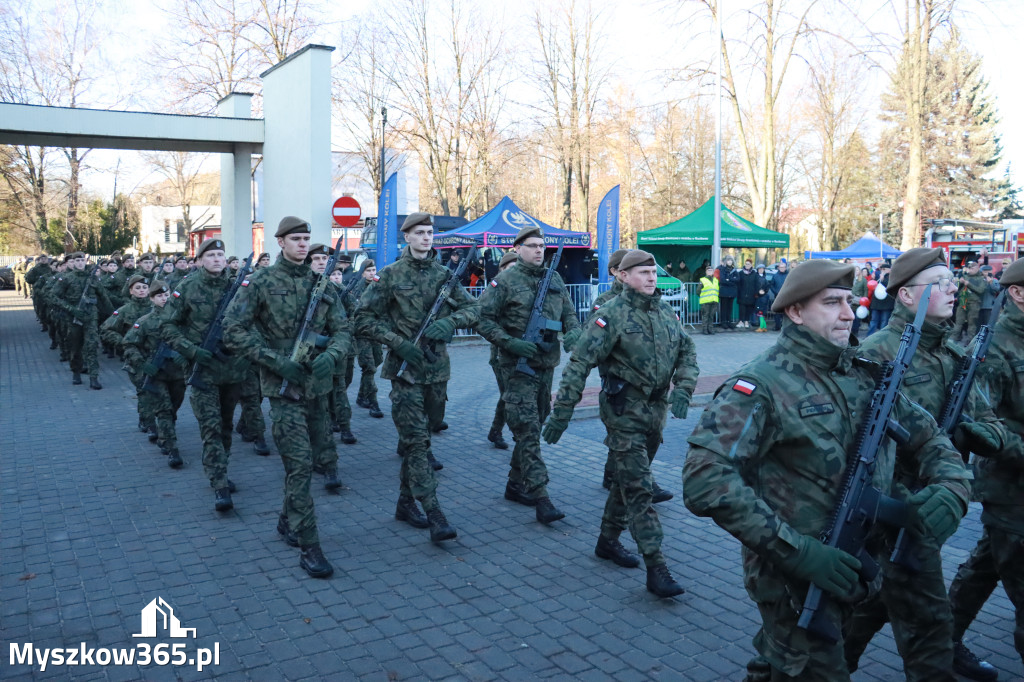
(868, 247)
(499, 227)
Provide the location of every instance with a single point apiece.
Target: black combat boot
(153, 436)
(606, 483)
(514, 493)
(331, 480)
(434, 464)
(222, 498)
(53, 345)
(613, 549)
(259, 446)
(408, 511)
(546, 512)
(439, 527)
(315, 563)
(174, 459)
(94, 383)
(286, 533)
(375, 410)
(361, 402)
(142, 426)
(346, 436)
(660, 494)
(335, 428)
(232, 487)
(76, 378)
(661, 583)
(965, 663)
(443, 426)
(496, 438)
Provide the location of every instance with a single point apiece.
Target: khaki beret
(262, 256)
(158, 287)
(129, 256)
(76, 254)
(208, 245)
(1013, 274)
(415, 219)
(510, 257)
(147, 256)
(232, 259)
(810, 277)
(615, 259)
(368, 263)
(912, 262)
(135, 279)
(526, 233)
(634, 258)
(319, 250)
(180, 258)
(290, 224)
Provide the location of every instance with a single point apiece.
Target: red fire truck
(963, 240)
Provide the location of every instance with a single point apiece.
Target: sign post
(346, 212)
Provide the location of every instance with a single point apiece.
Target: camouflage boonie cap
(415, 219)
(810, 277)
(290, 224)
(1013, 274)
(634, 258)
(526, 233)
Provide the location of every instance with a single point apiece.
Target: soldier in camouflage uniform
(505, 309)
(19, 269)
(369, 353)
(262, 325)
(999, 554)
(340, 421)
(252, 427)
(915, 601)
(112, 333)
(638, 341)
(164, 385)
(185, 321)
(974, 290)
(769, 458)
(82, 339)
(50, 315)
(494, 435)
(391, 311)
(35, 278)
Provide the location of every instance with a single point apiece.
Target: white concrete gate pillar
(235, 182)
(297, 143)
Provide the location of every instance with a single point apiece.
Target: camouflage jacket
(505, 308)
(140, 345)
(604, 297)
(974, 289)
(264, 319)
(1000, 484)
(392, 310)
(66, 293)
(637, 338)
(38, 270)
(148, 276)
(768, 460)
(187, 317)
(114, 328)
(112, 284)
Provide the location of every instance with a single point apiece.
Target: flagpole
(716, 244)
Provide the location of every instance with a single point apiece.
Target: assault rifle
(156, 363)
(952, 414)
(211, 341)
(307, 340)
(538, 325)
(861, 505)
(86, 300)
(443, 294)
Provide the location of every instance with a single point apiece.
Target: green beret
(76, 254)
(368, 263)
(180, 258)
(526, 233)
(135, 279)
(147, 256)
(158, 287)
(129, 256)
(232, 259)
(1013, 274)
(615, 259)
(208, 245)
(262, 256)
(319, 250)
(810, 277)
(510, 257)
(415, 219)
(634, 258)
(911, 263)
(290, 224)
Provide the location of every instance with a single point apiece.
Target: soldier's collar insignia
(744, 386)
(600, 323)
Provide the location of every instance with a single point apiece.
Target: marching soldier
(184, 324)
(616, 288)
(915, 601)
(638, 341)
(370, 353)
(504, 314)
(769, 457)
(165, 389)
(495, 435)
(112, 333)
(84, 304)
(999, 553)
(391, 311)
(262, 325)
(147, 269)
(36, 278)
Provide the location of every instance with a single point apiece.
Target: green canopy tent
(689, 238)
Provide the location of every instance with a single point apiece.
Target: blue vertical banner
(607, 232)
(387, 222)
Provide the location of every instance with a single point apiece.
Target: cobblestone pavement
(95, 527)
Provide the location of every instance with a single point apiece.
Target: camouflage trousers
(498, 423)
(251, 423)
(162, 400)
(789, 653)
(916, 604)
(340, 408)
(527, 404)
(292, 424)
(998, 555)
(412, 407)
(969, 321)
(707, 317)
(214, 408)
(321, 436)
(350, 365)
(370, 357)
(83, 346)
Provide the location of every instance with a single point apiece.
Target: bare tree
(182, 171)
(281, 28)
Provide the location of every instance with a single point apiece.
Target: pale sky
(644, 39)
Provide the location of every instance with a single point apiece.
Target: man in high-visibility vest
(708, 300)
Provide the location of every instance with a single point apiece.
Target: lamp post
(716, 242)
(383, 131)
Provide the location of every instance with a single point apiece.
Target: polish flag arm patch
(376, 278)
(597, 307)
(744, 386)
(494, 282)
(245, 283)
(115, 312)
(600, 323)
(177, 294)
(136, 325)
